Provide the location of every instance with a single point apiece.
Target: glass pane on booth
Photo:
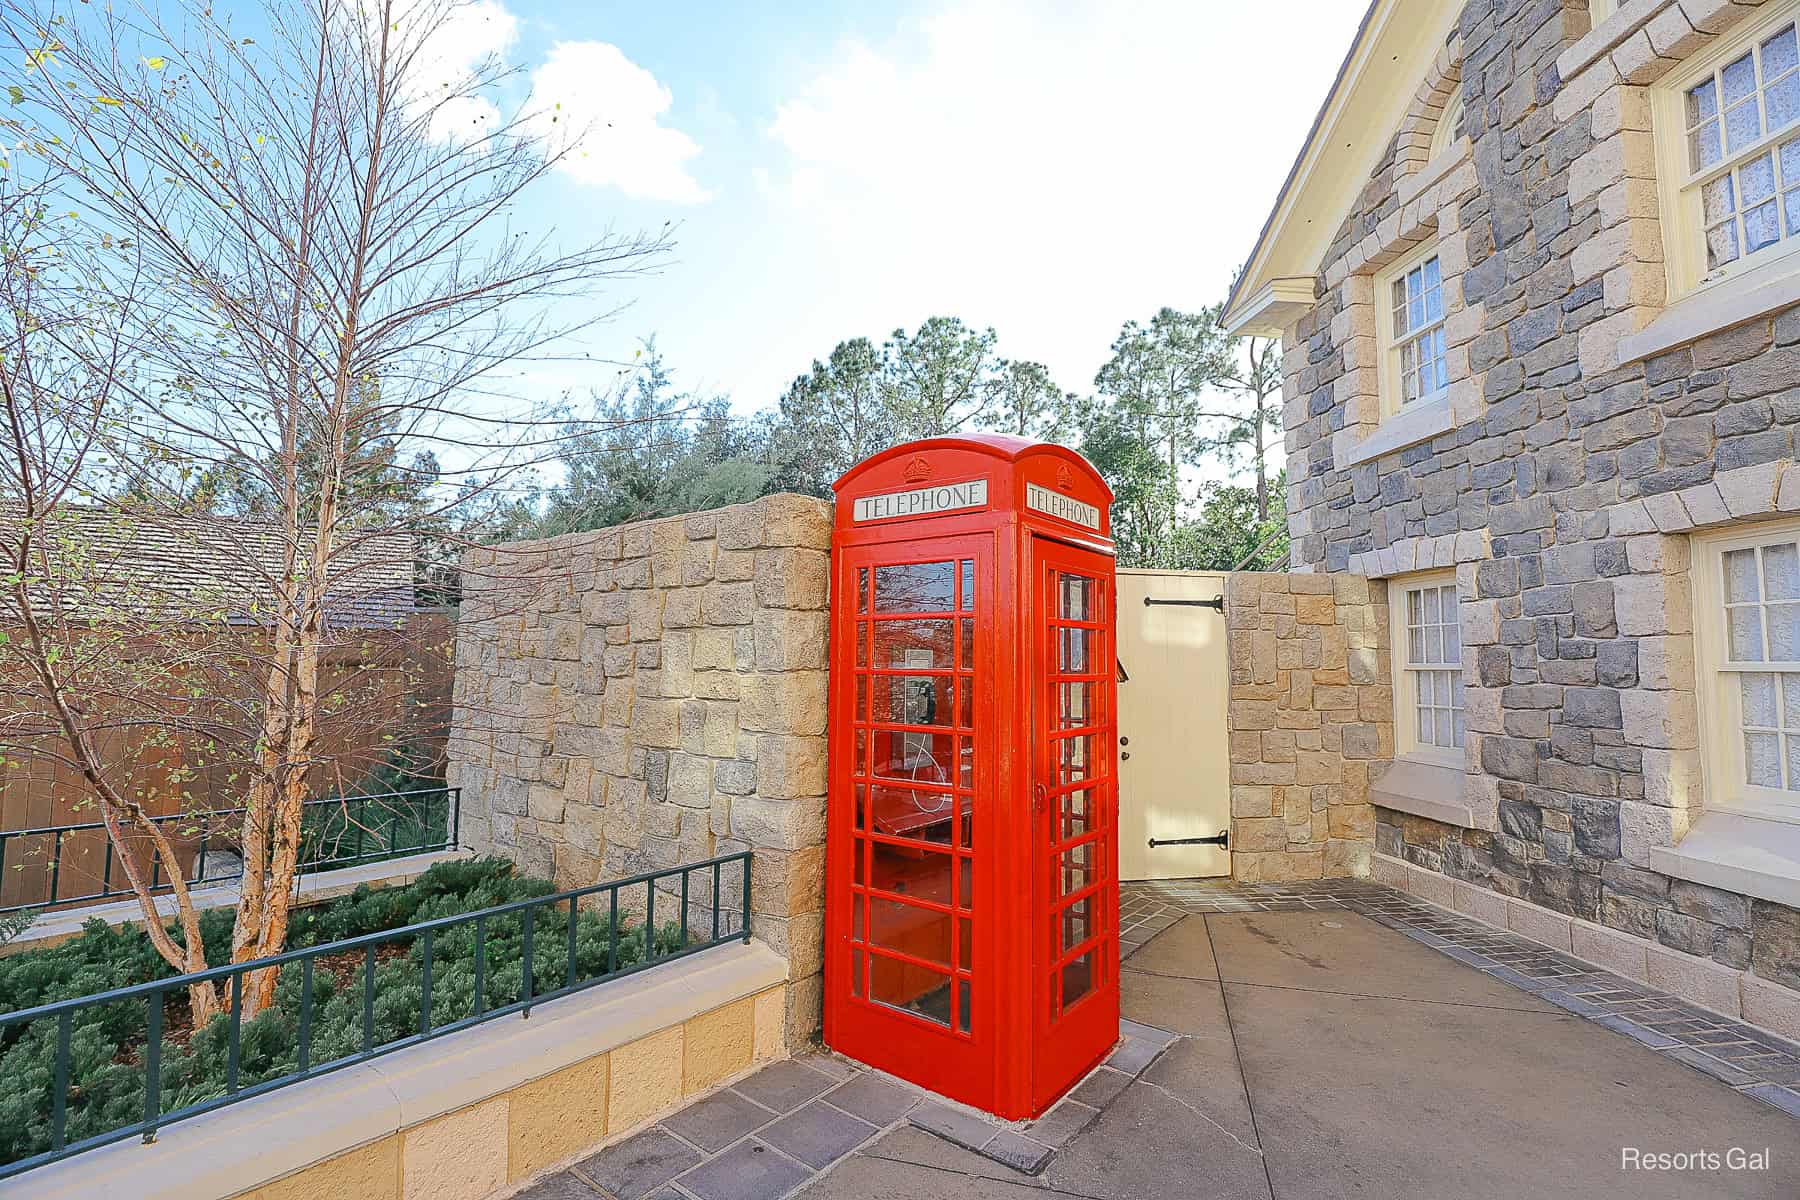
(908, 986)
(912, 930)
(1077, 978)
(1077, 923)
(922, 645)
(1076, 598)
(1074, 654)
(916, 588)
(914, 700)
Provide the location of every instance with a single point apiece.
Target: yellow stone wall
(505, 1139)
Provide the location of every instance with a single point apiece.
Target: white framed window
(1409, 304)
(1428, 679)
(1728, 146)
(1444, 135)
(1748, 625)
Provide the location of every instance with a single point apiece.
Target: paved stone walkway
(1286, 1042)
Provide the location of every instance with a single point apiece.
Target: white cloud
(1052, 170)
(455, 40)
(606, 109)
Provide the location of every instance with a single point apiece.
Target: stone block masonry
(1311, 710)
(1566, 489)
(654, 694)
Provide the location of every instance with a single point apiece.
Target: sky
(831, 171)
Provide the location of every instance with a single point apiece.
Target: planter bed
(105, 1066)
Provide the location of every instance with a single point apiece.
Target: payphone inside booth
(972, 881)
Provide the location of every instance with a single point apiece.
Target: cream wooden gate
(1174, 768)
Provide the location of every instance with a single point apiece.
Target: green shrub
(106, 1073)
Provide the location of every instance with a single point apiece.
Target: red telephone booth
(972, 893)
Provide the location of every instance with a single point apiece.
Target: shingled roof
(124, 564)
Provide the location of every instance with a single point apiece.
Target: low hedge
(106, 1074)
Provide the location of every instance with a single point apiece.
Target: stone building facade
(652, 695)
(1590, 419)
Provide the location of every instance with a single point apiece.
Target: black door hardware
(1221, 840)
(1217, 603)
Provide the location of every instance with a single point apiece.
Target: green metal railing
(338, 831)
(722, 924)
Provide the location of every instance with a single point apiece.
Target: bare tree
(306, 247)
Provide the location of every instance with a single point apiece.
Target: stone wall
(1566, 486)
(651, 695)
(1311, 710)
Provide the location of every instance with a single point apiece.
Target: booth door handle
(1037, 799)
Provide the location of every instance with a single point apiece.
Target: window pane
(1075, 757)
(914, 757)
(1721, 245)
(1716, 199)
(1078, 979)
(920, 932)
(1784, 632)
(1793, 763)
(1740, 576)
(862, 589)
(1783, 102)
(913, 645)
(1076, 922)
(1756, 180)
(1075, 650)
(1781, 571)
(917, 990)
(1443, 727)
(1790, 701)
(913, 700)
(1739, 78)
(1078, 867)
(1762, 759)
(1743, 125)
(1778, 54)
(912, 812)
(1758, 692)
(1076, 814)
(1703, 146)
(968, 584)
(1076, 703)
(1415, 645)
(1077, 594)
(916, 587)
(1702, 103)
(1762, 227)
(1745, 625)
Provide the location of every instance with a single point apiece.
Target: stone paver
(818, 1134)
(639, 1164)
(719, 1120)
(750, 1170)
(785, 1086)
